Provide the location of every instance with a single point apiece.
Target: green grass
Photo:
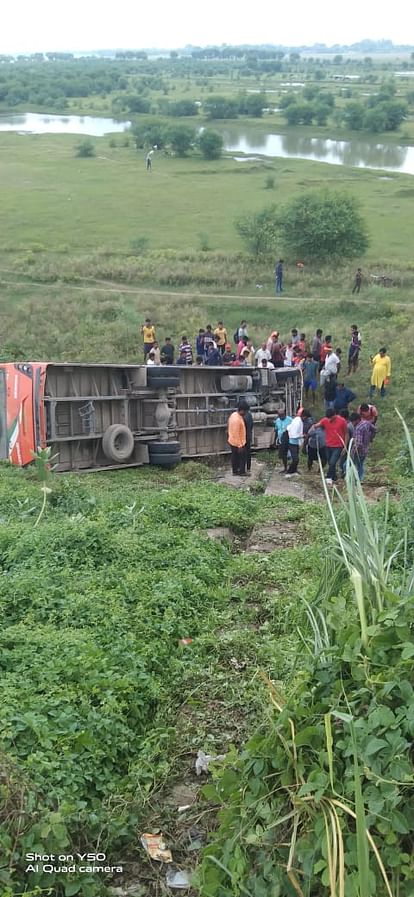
(51, 197)
(103, 710)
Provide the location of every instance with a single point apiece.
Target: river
(363, 152)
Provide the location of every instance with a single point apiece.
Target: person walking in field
(310, 370)
(363, 436)
(354, 349)
(336, 438)
(279, 276)
(316, 346)
(220, 336)
(358, 280)
(282, 437)
(148, 160)
(148, 334)
(381, 372)
(296, 433)
(368, 412)
(237, 438)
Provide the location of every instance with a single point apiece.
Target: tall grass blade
(408, 438)
(329, 745)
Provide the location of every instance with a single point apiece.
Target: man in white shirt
(331, 364)
(151, 358)
(267, 365)
(261, 353)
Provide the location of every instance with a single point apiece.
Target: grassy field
(103, 709)
(55, 201)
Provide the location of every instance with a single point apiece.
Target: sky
(39, 25)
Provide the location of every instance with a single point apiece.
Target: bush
(139, 245)
(85, 149)
(181, 139)
(211, 144)
(323, 225)
(269, 182)
(259, 231)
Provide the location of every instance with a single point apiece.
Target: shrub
(323, 225)
(139, 245)
(85, 149)
(259, 231)
(210, 143)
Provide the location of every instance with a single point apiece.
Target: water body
(41, 123)
(360, 153)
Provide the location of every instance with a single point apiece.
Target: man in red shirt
(325, 349)
(336, 435)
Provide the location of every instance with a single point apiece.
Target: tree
(321, 112)
(323, 226)
(85, 149)
(252, 104)
(181, 138)
(181, 108)
(299, 114)
(353, 115)
(259, 231)
(221, 107)
(211, 144)
(151, 133)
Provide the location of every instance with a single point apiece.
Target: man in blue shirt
(282, 437)
(343, 397)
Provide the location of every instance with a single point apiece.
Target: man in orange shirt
(237, 442)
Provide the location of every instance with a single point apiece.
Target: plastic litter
(155, 847)
(203, 761)
(178, 879)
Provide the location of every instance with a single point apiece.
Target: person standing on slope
(381, 372)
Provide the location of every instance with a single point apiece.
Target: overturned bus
(103, 416)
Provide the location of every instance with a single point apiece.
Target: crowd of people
(333, 438)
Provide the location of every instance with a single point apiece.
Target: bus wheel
(118, 443)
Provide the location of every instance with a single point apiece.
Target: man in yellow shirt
(237, 441)
(148, 333)
(381, 372)
(220, 335)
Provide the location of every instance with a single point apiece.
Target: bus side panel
(20, 413)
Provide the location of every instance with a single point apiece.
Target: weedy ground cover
(320, 799)
(93, 603)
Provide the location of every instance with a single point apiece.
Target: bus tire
(165, 460)
(164, 448)
(118, 443)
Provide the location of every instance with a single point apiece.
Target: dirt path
(100, 286)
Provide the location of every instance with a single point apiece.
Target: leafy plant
(320, 800)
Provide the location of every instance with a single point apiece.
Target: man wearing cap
(237, 441)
